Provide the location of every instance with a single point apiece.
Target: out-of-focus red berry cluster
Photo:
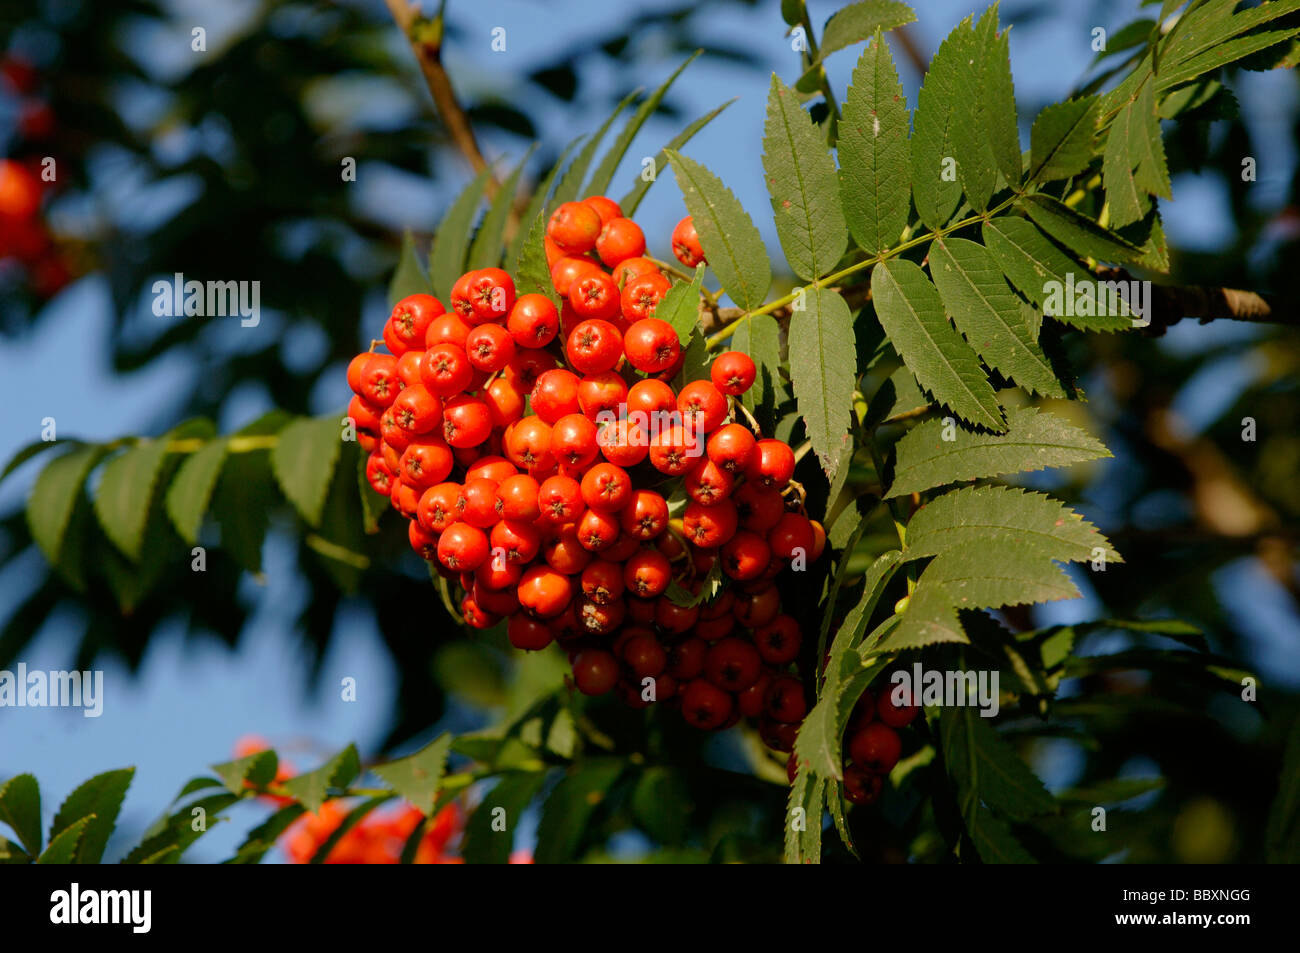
(26, 244)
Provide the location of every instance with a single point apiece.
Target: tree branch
(425, 38)
(1169, 305)
(1172, 303)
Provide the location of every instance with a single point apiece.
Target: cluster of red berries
(25, 240)
(535, 452)
(872, 745)
(378, 838)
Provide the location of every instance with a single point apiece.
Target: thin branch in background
(425, 37)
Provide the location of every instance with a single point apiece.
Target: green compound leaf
(824, 373)
(418, 777)
(96, 802)
(1063, 139)
(912, 314)
(873, 151)
(338, 772)
(1034, 440)
(408, 278)
(940, 109)
(451, 240)
(861, 21)
(1077, 232)
(567, 812)
(1051, 279)
(303, 462)
(632, 200)
(54, 496)
(987, 312)
(802, 185)
(731, 243)
(20, 808)
(1002, 515)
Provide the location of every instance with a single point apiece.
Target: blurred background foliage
(227, 165)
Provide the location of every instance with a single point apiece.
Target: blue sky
(193, 699)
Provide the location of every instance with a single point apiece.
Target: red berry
(446, 370)
(380, 383)
(778, 642)
(651, 345)
(491, 295)
(567, 271)
(478, 503)
(606, 487)
(544, 592)
(563, 552)
(462, 547)
(574, 227)
(647, 573)
(573, 440)
(705, 705)
(606, 208)
(686, 243)
(709, 526)
(449, 328)
(631, 268)
(673, 451)
(412, 316)
(642, 295)
(785, 700)
(594, 296)
(425, 461)
(619, 240)
(379, 474)
(732, 664)
(528, 444)
(896, 716)
(771, 464)
(555, 395)
(560, 500)
(643, 654)
(645, 516)
(601, 392)
(861, 786)
(708, 484)
(595, 671)
(489, 347)
(702, 406)
(791, 536)
(356, 370)
(438, 507)
(745, 556)
(527, 633)
(517, 540)
(733, 373)
(651, 397)
(731, 447)
(597, 531)
(760, 509)
(876, 747)
(533, 321)
(466, 421)
(594, 347)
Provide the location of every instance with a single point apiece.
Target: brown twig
(1170, 304)
(427, 46)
